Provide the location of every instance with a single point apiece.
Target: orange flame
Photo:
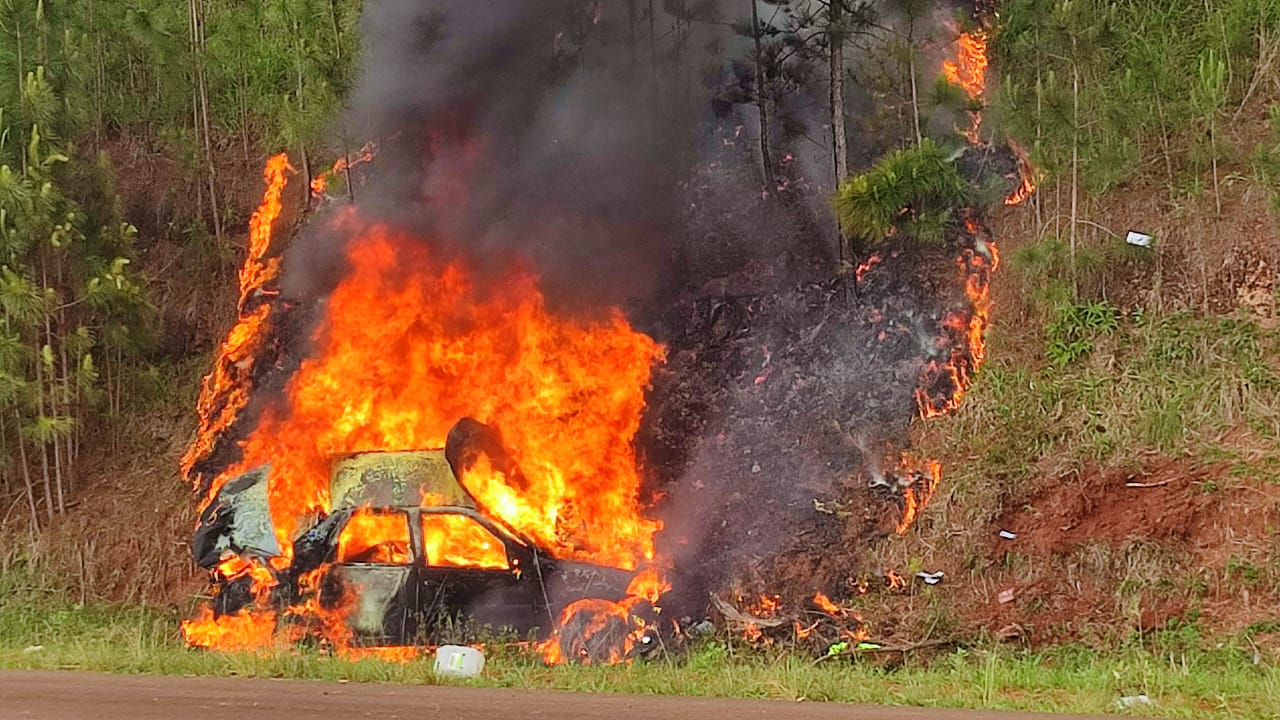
(766, 606)
(915, 497)
(893, 580)
(457, 541)
(649, 584)
(825, 604)
(225, 390)
(375, 538)
(389, 654)
(411, 344)
(602, 616)
(243, 631)
(943, 383)
(320, 183)
(865, 266)
(969, 71)
(1026, 171)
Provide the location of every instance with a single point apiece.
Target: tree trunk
(64, 397)
(98, 74)
(26, 473)
(17, 35)
(915, 98)
(337, 36)
(1037, 198)
(1075, 168)
(836, 38)
(911, 70)
(44, 449)
(839, 141)
(306, 164)
(53, 406)
(204, 119)
(761, 103)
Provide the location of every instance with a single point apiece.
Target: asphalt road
(76, 695)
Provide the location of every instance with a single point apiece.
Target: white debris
(1133, 701)
(1139, 239)
(459, 661)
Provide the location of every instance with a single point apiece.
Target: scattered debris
(1011, 632)
(867, 647)
(705, 627)
(1138, 239)
(1129, 702)
(930, 578)
(1008, 535)
(736, 617)
(459, 661)
(1005, 596)
(1160, 483)
(30, 649)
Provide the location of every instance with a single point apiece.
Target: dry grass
(125, 536)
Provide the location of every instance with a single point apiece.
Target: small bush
(910, 193)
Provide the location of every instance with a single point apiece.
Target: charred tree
(761, 101)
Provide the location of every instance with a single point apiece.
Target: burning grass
(1138, 461)
(1222, 682)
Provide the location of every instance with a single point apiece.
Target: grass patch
(1224, 682)
(1107, 394)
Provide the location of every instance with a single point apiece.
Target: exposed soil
(1103, 553)
(1163, 502)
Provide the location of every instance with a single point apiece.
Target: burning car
(404, 550)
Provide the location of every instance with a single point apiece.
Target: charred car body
(404, 549)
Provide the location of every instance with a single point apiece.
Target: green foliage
(1075, 327)
(911, 193)
(274, 73)
(1117, 385)
(1266, 159)
(1140, 73)
(65, 291)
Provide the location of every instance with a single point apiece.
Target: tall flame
(411, 343)
(969, 71)
(225, 391)
(944, 381)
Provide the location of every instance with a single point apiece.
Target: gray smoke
(523, 128)
(545, 133)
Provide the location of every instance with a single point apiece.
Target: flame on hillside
(969, 71)
(225, 391)
(945, 380)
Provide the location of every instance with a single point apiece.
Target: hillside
(1125, 427)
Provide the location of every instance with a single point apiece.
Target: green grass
(1219, 683)
(1171, 385)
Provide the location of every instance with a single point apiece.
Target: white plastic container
(459, 661)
